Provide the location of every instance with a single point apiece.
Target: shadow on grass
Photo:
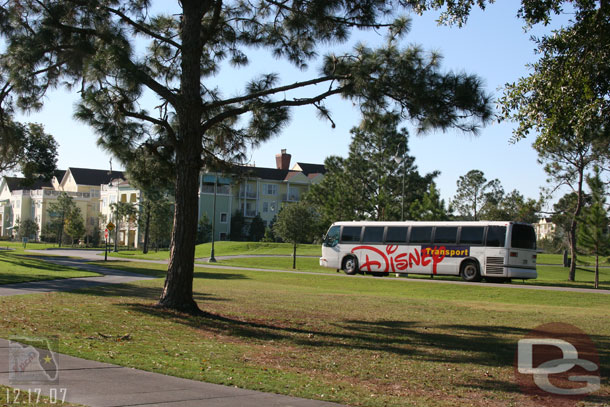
(28, 261)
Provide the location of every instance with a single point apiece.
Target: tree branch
(262, 93)
(144, 29)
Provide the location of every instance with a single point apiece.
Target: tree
(296, 223)
(257, 229)
(429, 207)
(124, 212)
(161, 216)
(474, 192)
(59, 211)
(238, 223)
(368, 183)
(153, 177)
(593, 234)
(74, 225)
(512, 206)
(204, 229)
(27, 228)
(115, 52)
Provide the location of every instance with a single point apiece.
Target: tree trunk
(178, 290)
(146, 229)
(574, 224)
(596, 284)
(294, 256)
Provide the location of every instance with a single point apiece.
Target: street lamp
(212, 259)
(399, 160)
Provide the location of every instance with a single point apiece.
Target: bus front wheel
(470, 271)
(350, 265)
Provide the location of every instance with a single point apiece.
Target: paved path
(93, 255)
(109, 276)
(104, 385)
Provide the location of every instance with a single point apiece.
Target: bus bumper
(521, 273)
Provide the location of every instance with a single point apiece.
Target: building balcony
(220, 189)
(290, 197)
(247, 195)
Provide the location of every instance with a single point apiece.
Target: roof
(59, 174)
(308, 168)
(263, 173)
(87, 176)
(18, 183)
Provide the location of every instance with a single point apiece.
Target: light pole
(399, 160)
(212, 259)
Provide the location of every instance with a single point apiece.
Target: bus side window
(421, 234)
(351, 234)
(445, 234)
(373, 234)
(397, 234)
(332, 237)
(496, 236)
(472, 235)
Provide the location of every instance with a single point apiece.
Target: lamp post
(399, 160)
(212, 259)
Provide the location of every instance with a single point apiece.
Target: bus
(496, 251)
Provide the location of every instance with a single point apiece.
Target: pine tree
(593, 234)
(116, 52)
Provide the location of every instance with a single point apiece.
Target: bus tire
(350, 265)
(469, 271)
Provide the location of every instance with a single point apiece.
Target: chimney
(282, 161)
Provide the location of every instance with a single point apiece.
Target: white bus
(496, 251)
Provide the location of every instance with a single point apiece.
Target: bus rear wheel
(350, 265)
(470, 271)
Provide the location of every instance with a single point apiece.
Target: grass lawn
(360, 341)
(581, 260)
(17, 268)
(226, 248)
(547, 275)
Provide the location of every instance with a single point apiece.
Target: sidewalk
(105, 385)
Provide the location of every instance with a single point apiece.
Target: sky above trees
(492, 45)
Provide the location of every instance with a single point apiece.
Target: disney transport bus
(496, 251)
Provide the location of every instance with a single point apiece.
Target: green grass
(581, 260)
(226, 248)
(18, 268)
(309, 264)
(547, 275)
(359, 341)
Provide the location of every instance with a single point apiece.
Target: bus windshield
(523, 237)
(332, 237)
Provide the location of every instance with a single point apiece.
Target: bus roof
(427, 223)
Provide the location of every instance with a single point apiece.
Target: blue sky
(492, 45)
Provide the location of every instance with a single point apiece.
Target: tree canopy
(116, 52)
(367, 184)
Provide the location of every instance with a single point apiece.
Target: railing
(51, 192)
(247, 194)
(290, 197)
(220, 189)
(250, 213)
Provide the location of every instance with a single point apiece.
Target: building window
(223, 217)
(270, 189)
(223, 236)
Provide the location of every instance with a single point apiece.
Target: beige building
(544, 229)
(20, 201)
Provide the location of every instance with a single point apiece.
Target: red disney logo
(388, 262)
